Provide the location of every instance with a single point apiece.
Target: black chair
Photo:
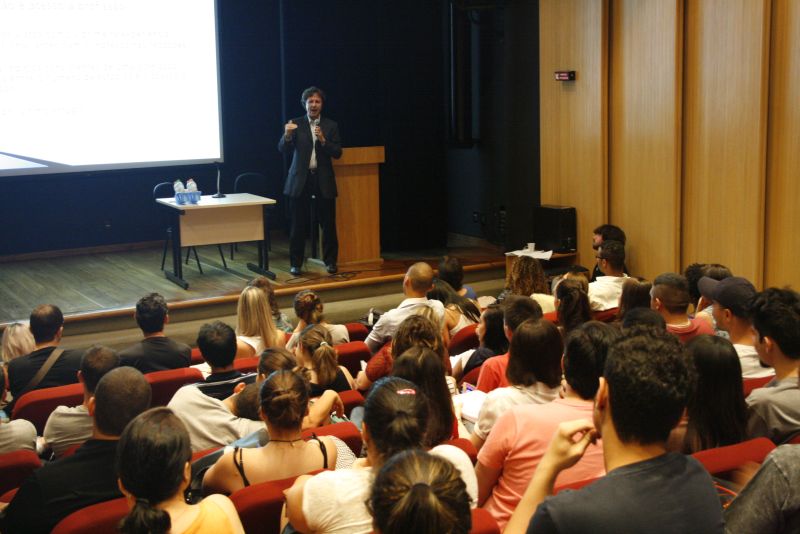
(254, 183)
(165, 190)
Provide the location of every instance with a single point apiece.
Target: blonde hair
(17, 341)
(316, 341)
(254, 317)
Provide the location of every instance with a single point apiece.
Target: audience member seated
(731, 299)
(770, 502)
(520, 437)
(17, 341)
(492, 341)
(419, 492)
(283, 404)
(217, 344)
(702, 306)
(526, 278)
(274, 359)
(643, 316)
(156, 352)
(533, 373)
(774, 410)
(716, 413)
(605, 290)
(212, 422)
(47, 326)
(423, 367)
(280, 319)
(646, 489)
(516, 310)
(416, 284)
(89, 476)
(670, 298)
(255, 328)
(317, 358)
(601, 234)
(458, 311)
(70, 425)
(572, 304)
(308, 308)
(154, 472)
(414, 330)
(635, 294)
(395, 415)
(18, 434)
(451, 271)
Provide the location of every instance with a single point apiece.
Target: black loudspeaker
(554, 228)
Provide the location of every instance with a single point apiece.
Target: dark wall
(498, 176)
(381, 64)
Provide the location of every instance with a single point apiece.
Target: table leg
(176, 276)
(263, 253)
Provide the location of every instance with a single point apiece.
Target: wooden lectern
(358, 205)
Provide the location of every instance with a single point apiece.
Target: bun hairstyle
(151, 461)
(284, 399)
(396, 414)
(421, 493)
(316, 341)
(308, 306)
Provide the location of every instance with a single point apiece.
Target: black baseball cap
(735, 293)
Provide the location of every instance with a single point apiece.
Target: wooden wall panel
(782, 258)
(645, 131)
(724, 123)
(573, 119)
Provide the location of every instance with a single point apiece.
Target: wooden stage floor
(113, 281)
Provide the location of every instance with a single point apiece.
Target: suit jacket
(300, 146)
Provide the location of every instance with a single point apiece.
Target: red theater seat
(724, 459)
(197, 358)
(471, 377)
(750, 384)
(356, 331)
(605, 316)
(37, 405)
(483, 522)
(15, 467)
(465, 339)
(351, 399)
(347, 432)
(350, 355)
(166, 383)
(246, 365)
(466, 446)
(100, 518)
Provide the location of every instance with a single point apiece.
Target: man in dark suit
(313, 140)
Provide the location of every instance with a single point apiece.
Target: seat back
(197, 357)
(465, 339)
(483, 522)
(749, 384)
(347, 432)
(551, 316)
(260, 505)
(246, 365)
(466, 446)
(605, 316)
(166, 383)
(15, 467)
(472, 376)
(723, 459)
(37, 405)
(356, 331)
(351, 355)
(351, 399)
(100, 518)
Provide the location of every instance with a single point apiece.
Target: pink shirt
(493, 373)
(518, 441)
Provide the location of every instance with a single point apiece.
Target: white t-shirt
(461, 461)
(255, 342)
(547, 302)
(208, 420)
(604, 292)
(500, 400)
(751, 365)
(67, 426)
(16, 435)
(334, 501)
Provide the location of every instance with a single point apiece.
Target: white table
(234, 218)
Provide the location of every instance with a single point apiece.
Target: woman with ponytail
(395, 420)
(421, 493)
(153, 462)
(572, 303)
(318, 359)
(284, 403)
